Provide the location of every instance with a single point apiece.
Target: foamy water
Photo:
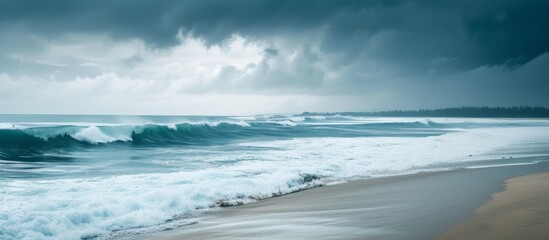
(108, 177)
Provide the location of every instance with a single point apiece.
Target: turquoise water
(97, 177)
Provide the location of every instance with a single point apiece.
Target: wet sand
(521, 211)
(419, 206)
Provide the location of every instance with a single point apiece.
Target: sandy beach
(521, 211)
(419, 206)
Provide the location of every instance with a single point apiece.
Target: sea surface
(102, 177)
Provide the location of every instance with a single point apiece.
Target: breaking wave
(66, 136)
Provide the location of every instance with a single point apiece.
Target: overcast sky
(242, 57)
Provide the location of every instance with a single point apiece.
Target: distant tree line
(488, 112)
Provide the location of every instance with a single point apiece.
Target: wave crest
(201, 133)
(63, 136)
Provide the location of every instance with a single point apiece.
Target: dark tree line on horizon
(493, 112)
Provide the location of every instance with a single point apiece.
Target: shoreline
(521, 211)
(417, 206)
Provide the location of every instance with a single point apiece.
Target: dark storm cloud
(377, 45)
(159, 21)
(466, 33)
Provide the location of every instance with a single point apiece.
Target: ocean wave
(195, 133)
(134, 203)
(59, 136)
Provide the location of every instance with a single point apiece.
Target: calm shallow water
(71, 177)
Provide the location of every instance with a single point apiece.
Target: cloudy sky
(270, 56)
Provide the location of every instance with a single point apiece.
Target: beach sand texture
(519, 212)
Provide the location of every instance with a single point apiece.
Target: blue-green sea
(101, 177)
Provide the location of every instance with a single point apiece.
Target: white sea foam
(217, 123)
(241, 123)
(297, 119)
(426, 122)
(302, 119)
(244, 118)
(283, 123)
(70, 209)
(317, 117)
(93, 135)
(172, 126)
